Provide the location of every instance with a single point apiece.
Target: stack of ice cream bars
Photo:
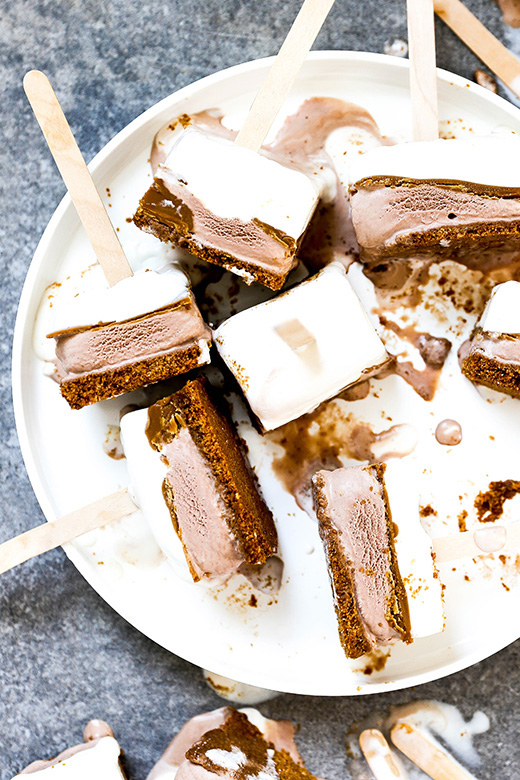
(248, 213)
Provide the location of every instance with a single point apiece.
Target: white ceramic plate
(289, 643)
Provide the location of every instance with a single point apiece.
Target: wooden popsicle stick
(76, 176)
(379, 756)
(478, 38)
(423, 74)
(283, 72)
(435, 762)
(481, 541)
(50, 535)
(295, 335)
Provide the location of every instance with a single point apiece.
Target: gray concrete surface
(64, 655)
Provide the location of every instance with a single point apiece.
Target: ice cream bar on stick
(432, 197)
(47, 536)
(478, 38)
(379, 756)
(195, 486)
(99, 755)
(429, 757)
(225, 202)
(493, 359)
(293, 352)
(384, 581)
(143, 328)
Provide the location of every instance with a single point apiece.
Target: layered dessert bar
(494, 355)
(142, 330)
(195, 486)
(300, 348)
(234, 744)
(383, 579)
(98, 756)
(230, 206)
(457, 198)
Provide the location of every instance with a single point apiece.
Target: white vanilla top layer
(295, 351)
(142, 293)
(99, 760)
(502, 312)
(492, 160)
(233, 182)
(414, 552)
(147, 473)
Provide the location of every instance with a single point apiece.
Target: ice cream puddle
(328, 438)
(490, 504)
(432, 349)
(441, 723)
(449, 433)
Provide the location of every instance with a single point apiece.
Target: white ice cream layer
(492, 160)
(414, 553)
(99, 760)
(502, 312)
(333, 343)
(142, 293)
(147, 473)
(233, 182)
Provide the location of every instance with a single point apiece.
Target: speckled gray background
(64, 655)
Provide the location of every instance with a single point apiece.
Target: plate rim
(21, 324)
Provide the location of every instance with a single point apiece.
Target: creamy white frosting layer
(101, 759)
(492, 160)
(147, 473)
(295, 351)
(233, 182)
(502, 312)
(414, 552)
(139, 294)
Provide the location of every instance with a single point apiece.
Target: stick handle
(435, 762)
(478, 38)
(283, 72)
(423, 74)
(482, 541)
(76, 176)
(379, 756)
(50, 535)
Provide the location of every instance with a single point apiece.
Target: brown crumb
(505, 586)
(427, 511)
(462, 521)
(253, 601)
(490, 505)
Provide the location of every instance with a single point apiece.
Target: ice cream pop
(457, 198)
(494, 354)
(192, 480)
(232, 744)
(98, 756)
(139, 330)
(384, 581)
(295, 351)
(226, 203)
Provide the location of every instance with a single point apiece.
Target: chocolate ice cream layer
(112, 346)
(494, 361)
(357, 532)
(404, 218)
(254, 249)
(200, 510)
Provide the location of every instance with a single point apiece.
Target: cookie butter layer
(357, 531)
(173, 214)
(406, 216)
